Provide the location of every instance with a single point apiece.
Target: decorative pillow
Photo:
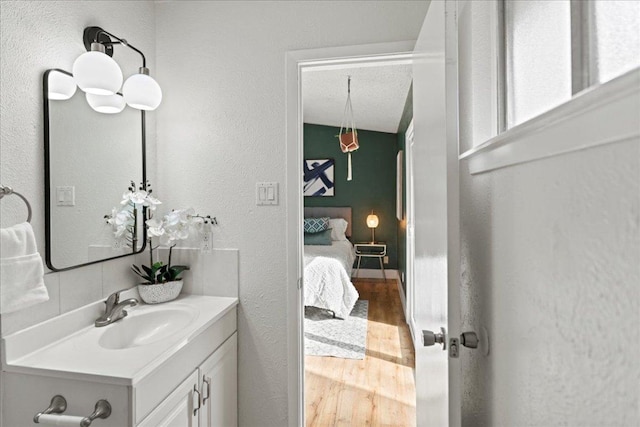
(322, 238)
(338, 227)
(316, 225)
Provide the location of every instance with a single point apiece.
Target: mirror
(91, 158)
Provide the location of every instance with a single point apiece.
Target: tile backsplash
(211, 273)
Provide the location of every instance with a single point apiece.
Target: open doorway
(358, 348)
(436, 213)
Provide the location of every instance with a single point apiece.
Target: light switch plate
(266, 193)
(65, 195)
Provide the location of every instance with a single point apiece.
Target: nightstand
(371, 250)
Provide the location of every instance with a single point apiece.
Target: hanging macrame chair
(348, 135)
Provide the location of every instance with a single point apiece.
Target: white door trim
(295, 63)
(409, 279)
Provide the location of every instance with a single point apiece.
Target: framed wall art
(319, 178)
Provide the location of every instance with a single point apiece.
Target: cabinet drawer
(154, 388)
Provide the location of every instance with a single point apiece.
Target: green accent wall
(373, 185)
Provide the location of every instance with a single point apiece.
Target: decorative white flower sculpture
(174, 226)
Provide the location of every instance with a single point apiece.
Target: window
(538, 57)
(552, 50)
(615, 34)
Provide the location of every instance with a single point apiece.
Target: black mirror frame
(47, 181)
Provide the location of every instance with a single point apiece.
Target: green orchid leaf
(137, 271)
(176, 271)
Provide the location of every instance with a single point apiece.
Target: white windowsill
(602, 114)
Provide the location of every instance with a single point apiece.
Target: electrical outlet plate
(205, 241)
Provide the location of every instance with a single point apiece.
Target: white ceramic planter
(163, 292)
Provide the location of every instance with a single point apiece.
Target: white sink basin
(124, 352)
(146, 328)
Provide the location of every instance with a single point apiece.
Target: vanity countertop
(81, 354)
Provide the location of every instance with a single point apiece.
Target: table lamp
(372, 223)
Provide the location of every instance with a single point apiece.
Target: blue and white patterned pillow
(316, 225)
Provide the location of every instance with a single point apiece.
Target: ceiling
(378, 95)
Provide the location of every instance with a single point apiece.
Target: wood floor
(376, 391)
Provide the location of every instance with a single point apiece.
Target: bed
(327, 269)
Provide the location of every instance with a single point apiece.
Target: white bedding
(327, 277)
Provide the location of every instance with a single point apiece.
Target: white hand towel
(21, 270)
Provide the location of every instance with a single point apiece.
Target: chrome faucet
(115, 309)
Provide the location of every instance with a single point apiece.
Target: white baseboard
(412, 327)
(372, 273)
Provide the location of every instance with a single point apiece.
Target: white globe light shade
(107, 104)
(372, 221)
(96, 72)
(142, 92)
(60, 86)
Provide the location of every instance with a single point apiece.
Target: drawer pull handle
(59, 404)
(206, 381)
(196, 409)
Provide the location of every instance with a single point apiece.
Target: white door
(435, 229)
(219, 383)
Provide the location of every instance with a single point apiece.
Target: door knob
(430, 338)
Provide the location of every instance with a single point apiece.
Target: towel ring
(6, 191)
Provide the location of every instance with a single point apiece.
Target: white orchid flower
(152, 202)
(186, 215)
(155, 227)
(139, 197)
(126, 198)
(120, 231)
(182, 233)
(111, 219)
(166, 239)
(172, 218)
(123, 217)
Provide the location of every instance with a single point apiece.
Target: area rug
(325, 335)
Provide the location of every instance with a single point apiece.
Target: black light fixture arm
(99, 35)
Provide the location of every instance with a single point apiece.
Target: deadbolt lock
(469, 339)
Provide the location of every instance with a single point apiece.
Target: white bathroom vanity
(167, 364)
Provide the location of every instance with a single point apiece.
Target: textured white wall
(222, 129)
(550, 266)
(36, 36)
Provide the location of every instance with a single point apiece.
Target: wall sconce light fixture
(107, 104)
(61, 86)
(372, 223)
(97, 74)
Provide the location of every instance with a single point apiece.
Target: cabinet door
(177, 410)
(219, 380)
